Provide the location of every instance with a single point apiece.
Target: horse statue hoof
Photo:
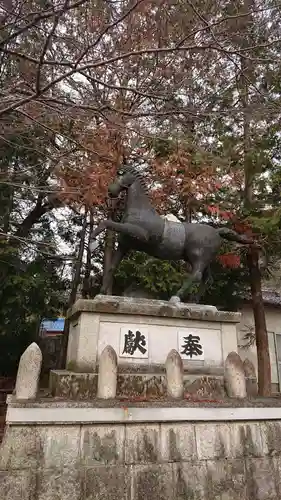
(175, 300)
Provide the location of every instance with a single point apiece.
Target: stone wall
(153, 461)
(273, 321)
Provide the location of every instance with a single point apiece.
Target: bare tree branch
(46, 44)
(40, 16)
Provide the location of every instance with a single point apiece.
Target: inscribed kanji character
(191, 346)
(134, 342)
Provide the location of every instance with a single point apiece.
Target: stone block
(233, 440)
(249, 368)
(205, 387)
(234, 376)
(70, 385)
(178, 442)
(17, 485)
(250, 438)
(19, 448)
(262, 479)
(142, 444)
(153, 482)
(227, 480)
(213, 441)
(59, 446)
(144, 385)
(251, 378)
(62, 484)
(271, 436)
(277, 467)
(190, 481)
(112, 483)
(87, 342)
(155, 387)
(102, 444)
(107, 378)
(28, 373)
(251, 387)
(174, 374)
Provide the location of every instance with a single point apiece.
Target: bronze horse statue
(141, 228)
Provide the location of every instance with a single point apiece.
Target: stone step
(83, 386)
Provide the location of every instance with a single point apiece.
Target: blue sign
(56, 325)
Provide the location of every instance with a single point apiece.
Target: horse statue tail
(231, 235)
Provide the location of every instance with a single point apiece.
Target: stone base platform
(143, 332)
(135, 384)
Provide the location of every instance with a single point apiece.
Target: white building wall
(273, 321)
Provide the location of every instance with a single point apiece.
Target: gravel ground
(189, 403)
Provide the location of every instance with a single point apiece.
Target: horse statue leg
(204, 283)
(194, 277)
(119, 227)
(116, 259)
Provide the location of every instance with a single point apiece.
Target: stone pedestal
(143, 332)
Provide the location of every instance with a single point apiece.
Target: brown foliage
(187, 174)
(84, 180)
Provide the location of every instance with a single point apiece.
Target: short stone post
(251, 378)
(29, 372)
(107, 378)
(174, 374)
(234, 376)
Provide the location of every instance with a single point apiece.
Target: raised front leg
(124, 228)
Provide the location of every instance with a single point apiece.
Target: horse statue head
(128, 177)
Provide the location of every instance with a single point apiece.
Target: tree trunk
(247, 74)
(7, 202)
(109, 250)
(73, 293)
(264, 369)
(78, 265)
(86, 281)
(108, 254)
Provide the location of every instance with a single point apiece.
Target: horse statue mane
(138, 174)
